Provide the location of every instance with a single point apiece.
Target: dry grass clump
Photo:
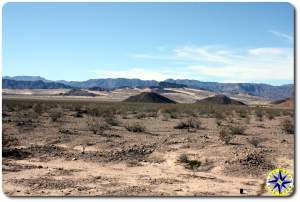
(173, 112)
(225, 135)
(183, 158)
(219, 115)
(136, 128)
(287, 126)
(255, 141)
(190, 123)
(112, 120)
(237, 129)
(243, 113)
(97, 125)
(7, 140)
(141, 115)
(38, 108)
(56, 114)
(259, 114)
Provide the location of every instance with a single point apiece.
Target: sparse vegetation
(219, 115)
(255, 141)
(56, 113)
(97, 125)
(193, 164)
(189, 164)
(287, 126)
(136, 128)
(259, 114)
(225, 135)
(38, 108)
(243, 113)
(237, 129)
(104, 138)
(183, 158)
(112, 120)
(189, 124)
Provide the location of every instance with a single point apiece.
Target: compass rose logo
(280, 182)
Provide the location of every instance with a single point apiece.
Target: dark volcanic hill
(78, 92)
(220, 99)
(39, 84)
(149, 97)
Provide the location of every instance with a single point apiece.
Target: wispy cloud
(282, 35)
(141, 73)
(224, 64)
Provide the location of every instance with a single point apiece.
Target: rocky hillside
(39, 84)
(254, 89)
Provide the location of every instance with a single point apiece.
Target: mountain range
(255, 89)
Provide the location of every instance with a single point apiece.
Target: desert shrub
(112, 120)
(259, 114)
(248, 120)
(190, 123)
(173, 112)
(219, 122)
(193, 164)
(243, 113)
(7, 140)
(270, 116)
(38, 108)
(211, 109)
(102, 111)
(141, 115)
(152, 114)
(237, 129)
(219, 115)
(225, 135)
(255, 141)
(165, 117)
(56, 113)
(136, 128)
(183, 158)
(287, 126)
(31, 115)
(97, 125)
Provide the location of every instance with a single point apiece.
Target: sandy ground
(49, 158)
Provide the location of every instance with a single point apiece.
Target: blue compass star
(279, 181)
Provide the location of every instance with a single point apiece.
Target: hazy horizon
(210, 42)
(292, 83)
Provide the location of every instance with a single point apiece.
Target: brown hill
(288, 102)
(149, 97)
(220, 99)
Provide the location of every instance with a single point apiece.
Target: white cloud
(247, 65)
(282, 35)
(140, 73)
(268, 51)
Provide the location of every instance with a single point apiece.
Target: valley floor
(48, 154)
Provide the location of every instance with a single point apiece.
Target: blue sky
(224, 42)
